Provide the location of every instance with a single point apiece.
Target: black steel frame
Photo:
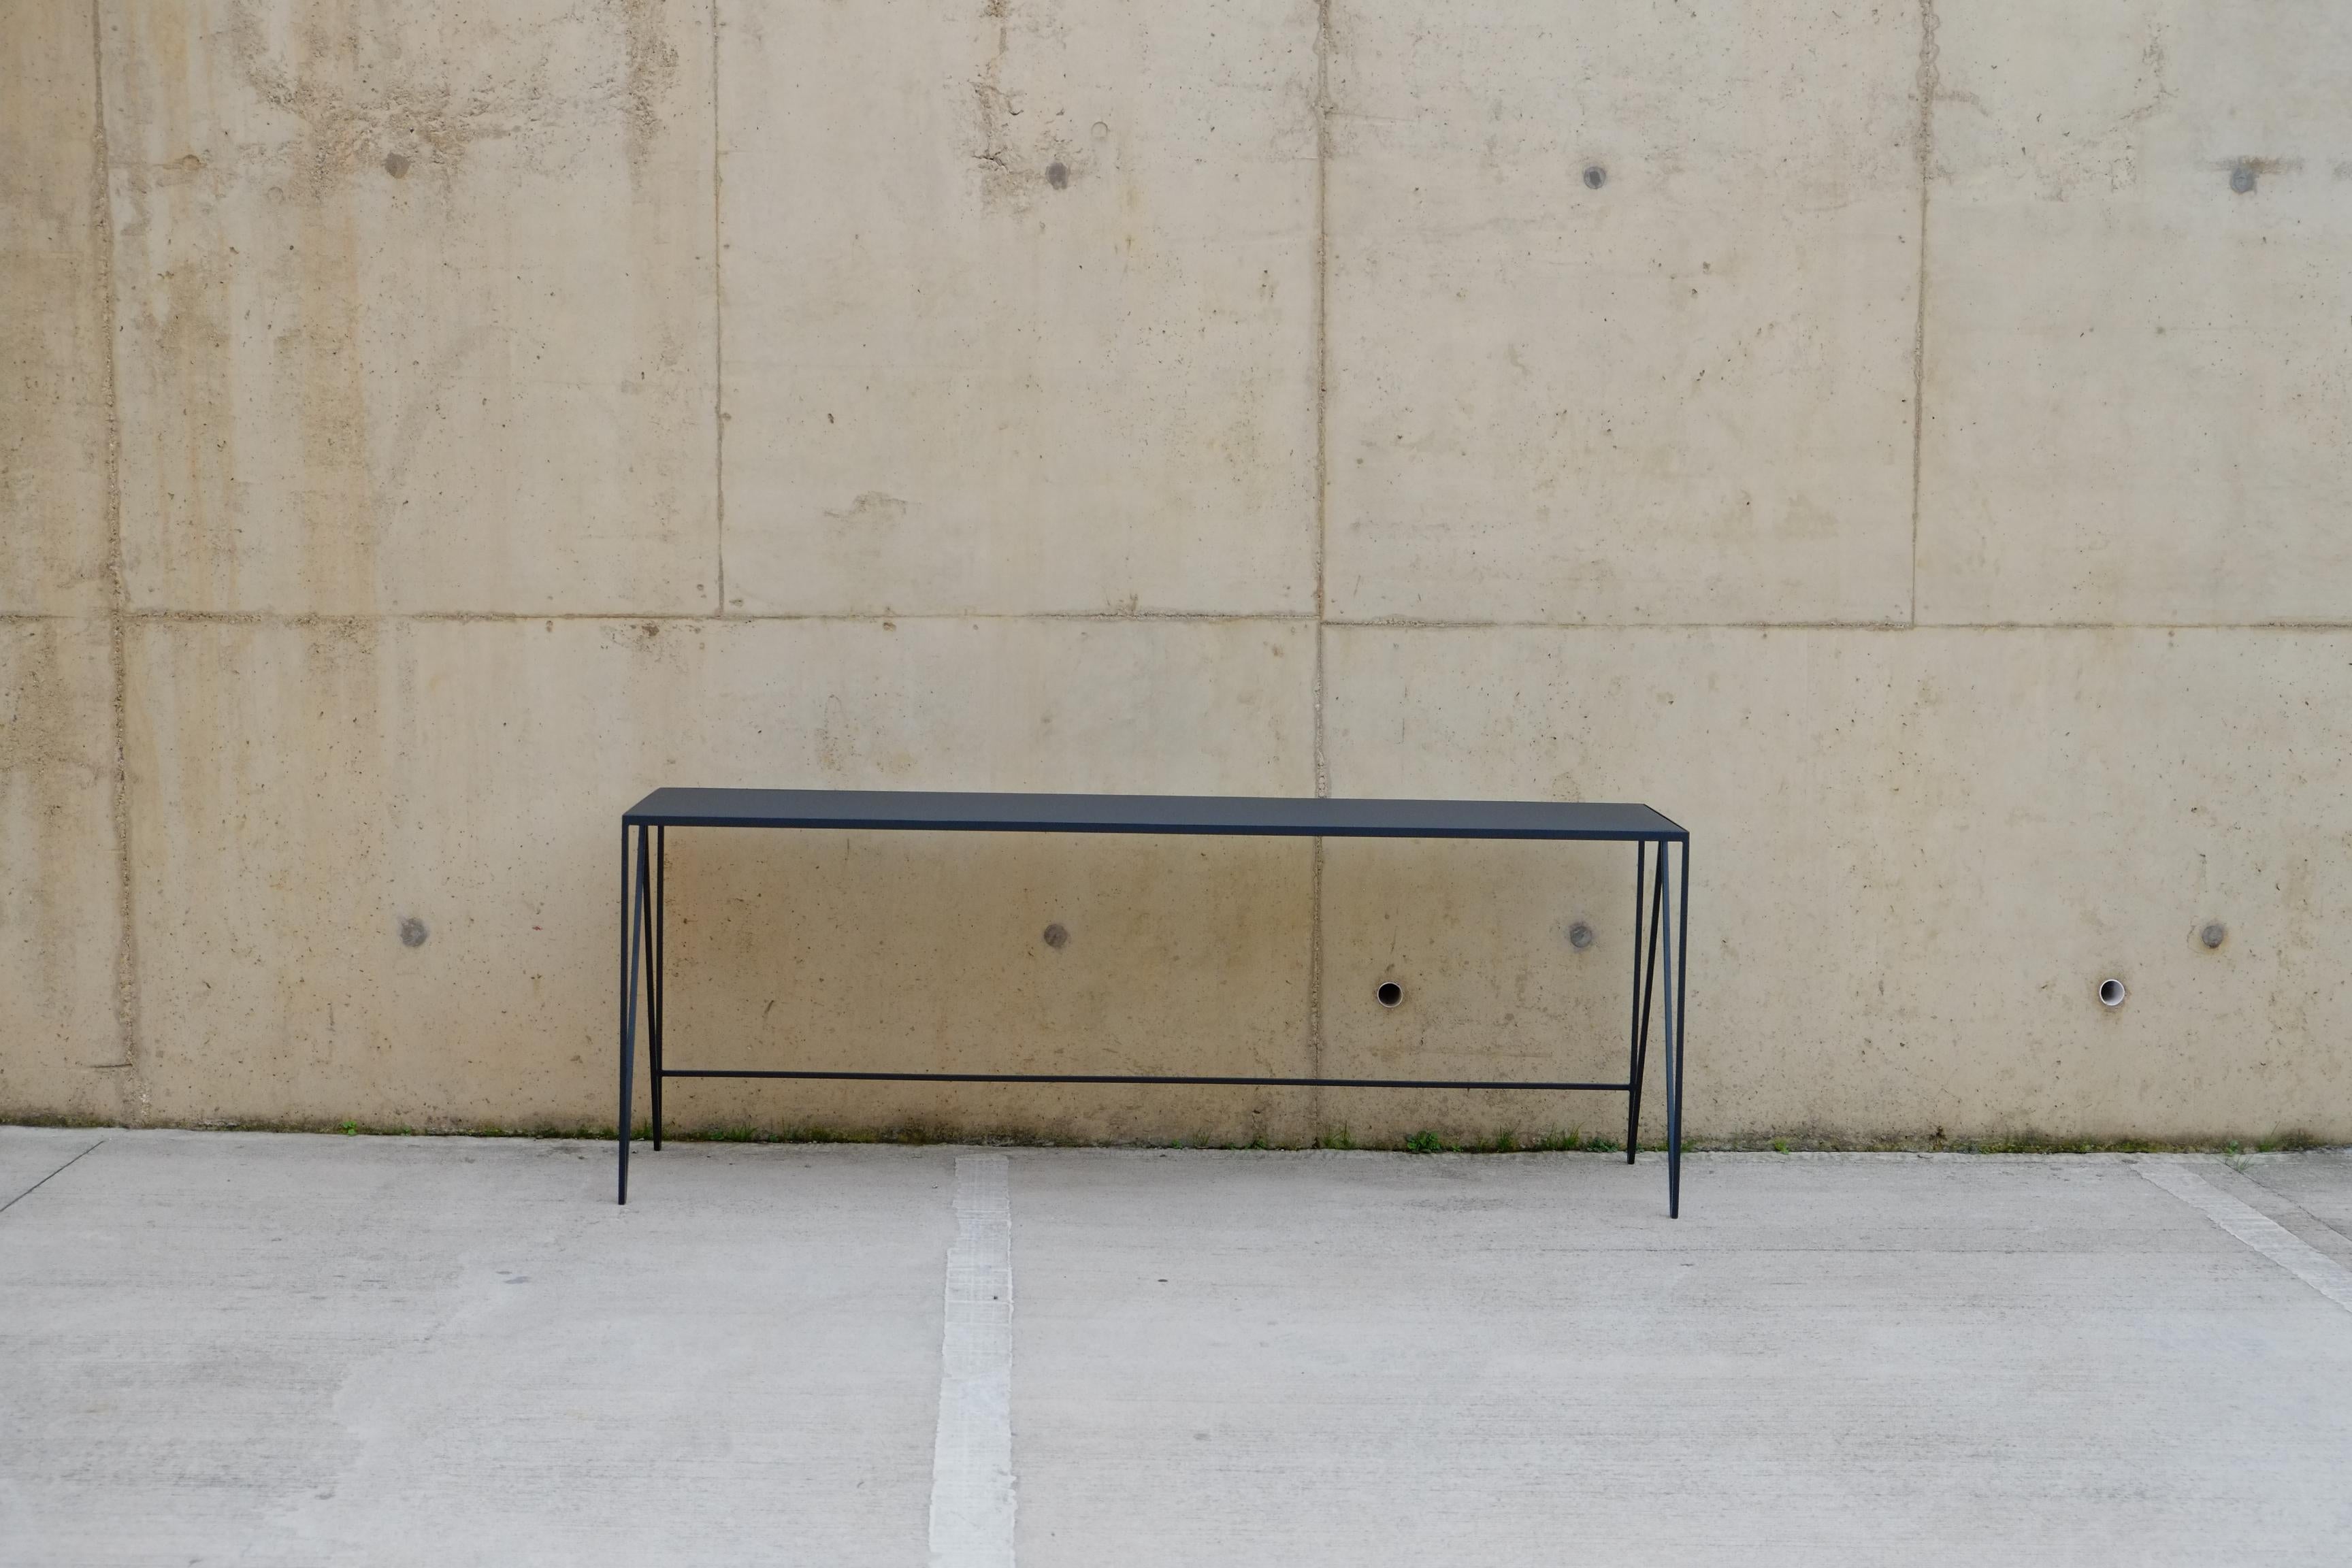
(642, 923)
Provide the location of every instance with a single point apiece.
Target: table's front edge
(1670, 832)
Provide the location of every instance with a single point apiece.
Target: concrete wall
(1913, 448)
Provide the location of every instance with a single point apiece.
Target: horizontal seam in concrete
(1105, 617)
(2256, 1229)
(43, 1181)
(1428, 624)
(668, 617)
(2263, 626)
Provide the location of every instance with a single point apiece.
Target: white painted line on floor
(2256, 1229)
(971, 1458)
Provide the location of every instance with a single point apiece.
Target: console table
(642, 866)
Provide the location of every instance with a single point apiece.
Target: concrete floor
(259, 1349)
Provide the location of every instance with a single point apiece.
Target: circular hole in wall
(1595, 176)
(2214, 934)
(1580, 936)
(1390, 993)
(1057, 936)
(2111, 992)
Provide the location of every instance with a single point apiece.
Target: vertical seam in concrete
(1322, 523)
(718, 329)
(1927, 133)
(973, 1495)
(43, 1181)
(1322, 364)
(132, 1086)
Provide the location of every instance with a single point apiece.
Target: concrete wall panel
(53, 534)
(1685, 395)
(302, 791)
(921, 952)
(61, 1047)
(1019, 307)
(1478, 938)
(1081, 387)
(1917, 856)
(2139, 319)
(415, 308)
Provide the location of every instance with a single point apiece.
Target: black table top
(1242, 815)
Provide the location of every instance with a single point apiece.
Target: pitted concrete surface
(1908, 442)
(264, 1349)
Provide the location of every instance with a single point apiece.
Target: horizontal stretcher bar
(1138, 1077)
